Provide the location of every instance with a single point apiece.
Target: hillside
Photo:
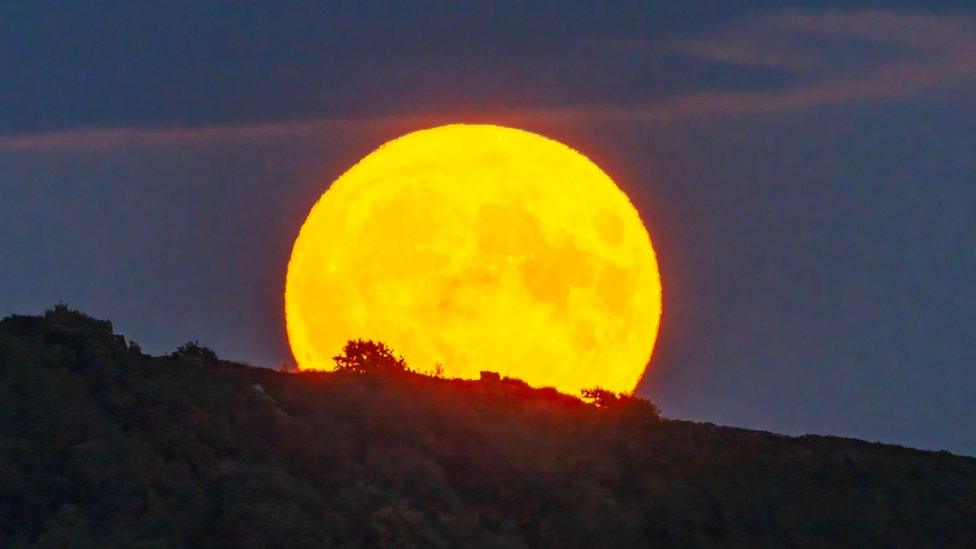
(100, 443)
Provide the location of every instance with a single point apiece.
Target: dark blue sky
(806, 170)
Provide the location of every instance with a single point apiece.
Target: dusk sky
(806, 171)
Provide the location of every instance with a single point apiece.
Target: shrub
(194, 351)
(364, 356)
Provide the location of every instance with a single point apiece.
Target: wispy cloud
(918, 52)
(910, 53)
(97, 138)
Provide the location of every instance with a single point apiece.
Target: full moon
(478, 247)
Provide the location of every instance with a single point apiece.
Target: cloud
(828, 57)
(97, 138)
(831, 57)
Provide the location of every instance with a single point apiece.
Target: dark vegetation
(101, 444)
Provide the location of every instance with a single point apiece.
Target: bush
(603, 398)
(368, 357)
(194, 351)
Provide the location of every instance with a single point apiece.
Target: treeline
(101, 444)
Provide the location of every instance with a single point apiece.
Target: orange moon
(478, 247)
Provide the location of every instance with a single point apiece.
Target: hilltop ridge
(103, 444)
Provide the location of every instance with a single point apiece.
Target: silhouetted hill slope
(100, 443)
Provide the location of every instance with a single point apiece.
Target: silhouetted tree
(135, 348)
(364, 356)
(600, 396)
(606, 399)
(193, 350)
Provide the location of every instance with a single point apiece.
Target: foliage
(102, 445)
(363, 356)
(603, 398)
(192, 350)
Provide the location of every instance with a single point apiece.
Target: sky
(805, 169)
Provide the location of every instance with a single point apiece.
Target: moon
(478, 248)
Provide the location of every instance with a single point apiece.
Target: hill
(102, 444)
